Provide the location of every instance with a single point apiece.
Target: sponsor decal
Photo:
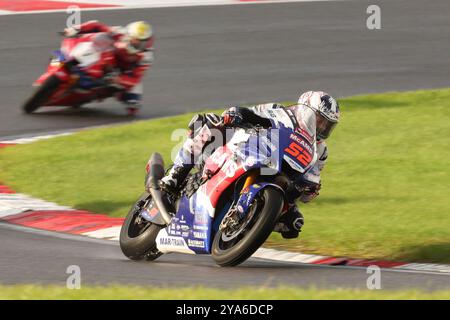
(304, 133)
(302, 157)
(249, 198)
(301, 150)
(171, 242)
(201, 218)
(200, 227)
(196, 243)
(302, 142)
(200, 235)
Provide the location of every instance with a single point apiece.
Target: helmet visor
(324, 127)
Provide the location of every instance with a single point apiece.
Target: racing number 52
(299, 153)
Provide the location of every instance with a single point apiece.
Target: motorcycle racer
(314, 116)
(133, 51)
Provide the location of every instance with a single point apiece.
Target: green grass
(37, 292)
(384, 192)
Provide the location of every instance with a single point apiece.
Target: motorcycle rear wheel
(138, 240)
(41, 94)
(234, 252)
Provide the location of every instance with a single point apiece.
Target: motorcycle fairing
(86, 53)
(56, 62)
(167, 243)
(261, 151)
(298, 151)
(190, 230)
(58, 56)
(230, 170)
(192, 226)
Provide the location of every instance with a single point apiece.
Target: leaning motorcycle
(229, 207)
(75, 74)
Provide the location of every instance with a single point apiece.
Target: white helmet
(326, 110)
(138, 36)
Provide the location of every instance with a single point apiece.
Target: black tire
(41, 94)
(138, 242)
(259, 230)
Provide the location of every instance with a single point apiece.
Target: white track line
(36, 138)
(111, 233)
(15, 203)
(272, 254)
(54, 234)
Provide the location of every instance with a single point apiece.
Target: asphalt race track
(42, 257)
(214, 57)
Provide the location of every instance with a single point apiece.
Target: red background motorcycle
(76, 73)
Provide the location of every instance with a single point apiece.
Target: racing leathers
(306, 185)
(131, 66)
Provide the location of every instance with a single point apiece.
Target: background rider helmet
(138, 37)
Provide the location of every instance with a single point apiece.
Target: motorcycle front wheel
(231, 248)
(138, 236)
(41, 94)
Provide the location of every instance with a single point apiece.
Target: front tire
(138, 238)
(228, 253)
(41, 94)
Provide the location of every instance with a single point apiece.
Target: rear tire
(138, 241)
(264, 220)
(41, 94)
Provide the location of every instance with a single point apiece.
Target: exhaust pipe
(156, 172)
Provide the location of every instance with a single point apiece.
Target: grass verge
(384, 192)
(37, 292)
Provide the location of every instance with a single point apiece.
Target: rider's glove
(231, 117)
(308, 190)
(70, 32)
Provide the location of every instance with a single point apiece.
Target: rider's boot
(133, 107)
(132, 101)
(174, 179)
(291, 223)
(132, 110)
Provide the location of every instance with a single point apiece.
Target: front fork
(249, 181)
(235, 214)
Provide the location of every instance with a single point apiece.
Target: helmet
(139, 36)
(326, 110)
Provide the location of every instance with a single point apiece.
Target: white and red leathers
(132, 66)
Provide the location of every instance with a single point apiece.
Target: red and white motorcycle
(76, 74)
